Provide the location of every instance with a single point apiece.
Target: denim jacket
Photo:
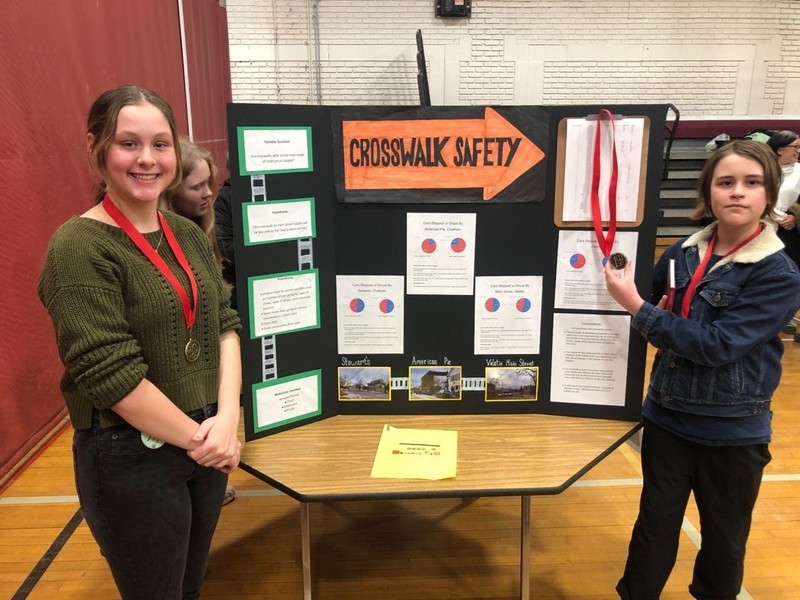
(724, 360)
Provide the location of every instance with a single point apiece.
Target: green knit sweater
(118, 320)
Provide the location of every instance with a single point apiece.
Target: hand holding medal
(622, 287)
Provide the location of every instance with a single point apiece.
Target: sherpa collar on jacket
(764, 244)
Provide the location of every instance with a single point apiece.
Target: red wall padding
(209, 75)
(57, 58)
(736, 128)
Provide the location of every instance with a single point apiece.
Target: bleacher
(685, 160)
(677, 198)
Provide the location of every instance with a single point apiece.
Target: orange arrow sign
(489, 153)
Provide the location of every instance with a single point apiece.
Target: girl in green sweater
(151, 354)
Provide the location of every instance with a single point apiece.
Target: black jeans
(152, 512)
(725, 481)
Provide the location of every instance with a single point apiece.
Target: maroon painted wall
(736, 128)
(57, 57)
(209, 75)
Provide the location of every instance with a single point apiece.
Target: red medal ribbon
(605, 242)
(701, 268)
(189, 307)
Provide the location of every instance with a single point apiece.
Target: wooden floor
(418, 549)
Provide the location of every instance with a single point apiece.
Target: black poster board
(363, 232)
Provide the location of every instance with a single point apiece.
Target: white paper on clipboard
(578, 160)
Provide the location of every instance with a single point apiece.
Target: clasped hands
(216, 444)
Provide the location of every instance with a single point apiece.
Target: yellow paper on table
(416, 454)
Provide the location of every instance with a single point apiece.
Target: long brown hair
(102, 125)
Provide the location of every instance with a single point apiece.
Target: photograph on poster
(278, 221)
(434, 383)
(281, 401)
(365, 383)
(512, 384)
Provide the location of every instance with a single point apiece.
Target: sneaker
(230, 495)
(790, 327)
(797, 338)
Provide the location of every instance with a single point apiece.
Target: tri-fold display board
(440, 260)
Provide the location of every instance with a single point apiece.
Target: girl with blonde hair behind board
(194, 197)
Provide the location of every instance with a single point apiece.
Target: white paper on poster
(579, 160)
(282, 220)
(508, 315)
(440, 253)
(279, 149)
(590, 359)
(284, 303)
(580, 277)
(369, 314)
(287, 401)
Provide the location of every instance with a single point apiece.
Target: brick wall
(732, 58)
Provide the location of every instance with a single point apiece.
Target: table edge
(451, 493)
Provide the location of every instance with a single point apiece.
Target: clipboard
(573, 161)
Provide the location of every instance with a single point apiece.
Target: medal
(618, 260)
(189, 304)
(192, 350)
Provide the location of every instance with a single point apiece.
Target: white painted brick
(704, 57)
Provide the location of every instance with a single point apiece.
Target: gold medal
(618, 260)
(192, 350)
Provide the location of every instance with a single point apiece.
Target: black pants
(725, 481)
(152, 512)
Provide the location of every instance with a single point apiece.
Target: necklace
(160, 239)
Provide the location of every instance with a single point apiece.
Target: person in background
(223, 212)
(150, 348)
(194, 199)
(786, 145)
(706, 414)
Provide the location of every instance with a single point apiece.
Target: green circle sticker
(151, 442)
